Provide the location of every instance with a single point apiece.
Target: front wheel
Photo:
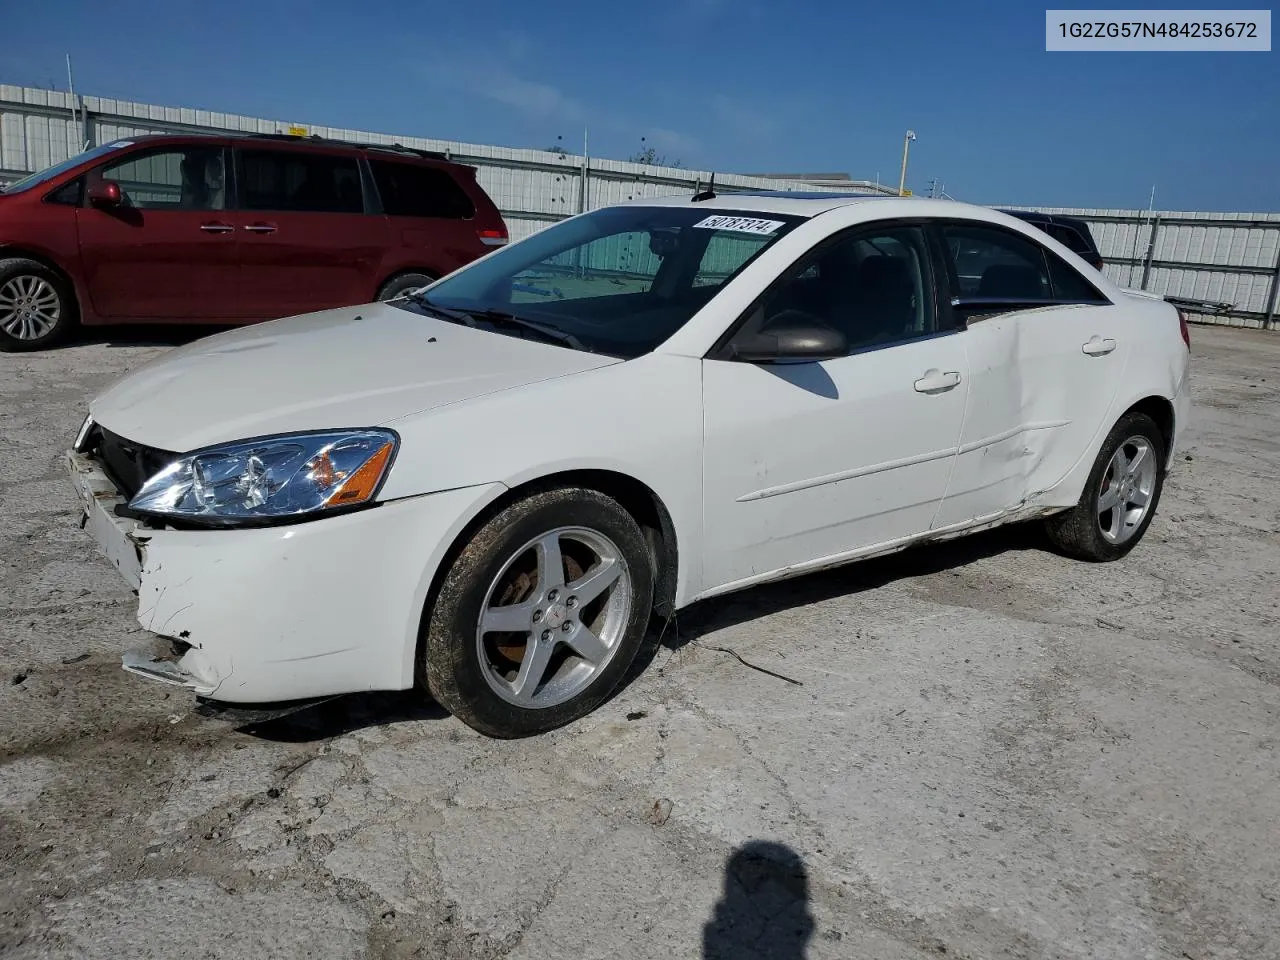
(37, 307)
(540, 615)
(1120, 498)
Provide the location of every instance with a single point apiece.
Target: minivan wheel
(398, 286)
(1120, 498)
(37, 307)
(540, 616)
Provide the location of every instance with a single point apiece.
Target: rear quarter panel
(1157, 364)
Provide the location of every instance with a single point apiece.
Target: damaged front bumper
(120, 539)
(279, 614)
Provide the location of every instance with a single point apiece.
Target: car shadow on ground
(719, 613)
(345, 714)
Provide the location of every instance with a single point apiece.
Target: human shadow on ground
(763, 911)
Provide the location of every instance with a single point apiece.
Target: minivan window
(418, 190)
(48, 173)
(295, 181)
(181, 178)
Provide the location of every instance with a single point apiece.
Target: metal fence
(1224, 267)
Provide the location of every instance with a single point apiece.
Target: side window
(724, 256)
(185, 178)
(296, 181)
(69, 194)
(874, 286)
(992, 263)
(1069, 238)
(419, 190)
(1068, 284)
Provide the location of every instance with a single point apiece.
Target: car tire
(37, 305)
(399, 285)
(565, 642)
(1120, 497)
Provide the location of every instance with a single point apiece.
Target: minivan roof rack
(314, 138)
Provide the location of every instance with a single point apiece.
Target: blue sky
(734, 85)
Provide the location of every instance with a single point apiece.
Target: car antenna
(707, 194)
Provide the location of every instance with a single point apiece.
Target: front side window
(176, 178)
(300, 182)
(620, 280)
(874, 286)
(419, 190)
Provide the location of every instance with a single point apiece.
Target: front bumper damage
(274, 615)
(124, 543)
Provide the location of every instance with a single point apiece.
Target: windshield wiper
(471, 317)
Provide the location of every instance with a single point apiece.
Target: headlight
(272, 478)
(83, 434)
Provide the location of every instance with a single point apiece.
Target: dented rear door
(1043, 375)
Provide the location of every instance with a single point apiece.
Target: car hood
(350, 367)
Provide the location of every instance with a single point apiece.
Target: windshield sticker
(741, 224)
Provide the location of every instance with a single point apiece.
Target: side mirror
(791, 337)
(105, 193)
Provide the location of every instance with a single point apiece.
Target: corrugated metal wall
(531, 187)
(1230, 259)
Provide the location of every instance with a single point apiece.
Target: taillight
(492, 238)
(1184, 329)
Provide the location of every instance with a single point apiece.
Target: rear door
(431, 218)
(1045, 359)
(306, 240)
(169, 250)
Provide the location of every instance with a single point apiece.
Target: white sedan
(485, 489)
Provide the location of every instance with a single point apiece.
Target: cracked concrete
(993, 753)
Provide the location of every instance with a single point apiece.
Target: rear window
(1068, 237)
(418, 190)
(300, 182)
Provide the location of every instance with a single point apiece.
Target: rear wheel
(37, 306)
(402, 284)
(1120, 499)
(540, 615)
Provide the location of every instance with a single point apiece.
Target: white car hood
(350, 367)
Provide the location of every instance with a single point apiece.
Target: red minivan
(228, 230)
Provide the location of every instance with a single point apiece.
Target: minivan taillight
(1184, 329)
(492, 238)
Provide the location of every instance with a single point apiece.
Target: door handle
(216, 227)
(935, 381)
(1098, 347)
(261, 227)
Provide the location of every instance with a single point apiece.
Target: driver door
(813, 461)
(169, 250)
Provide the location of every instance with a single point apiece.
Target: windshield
(48, 173)
(618, 281)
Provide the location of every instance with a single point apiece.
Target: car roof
(312, 142)
(810, 204)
